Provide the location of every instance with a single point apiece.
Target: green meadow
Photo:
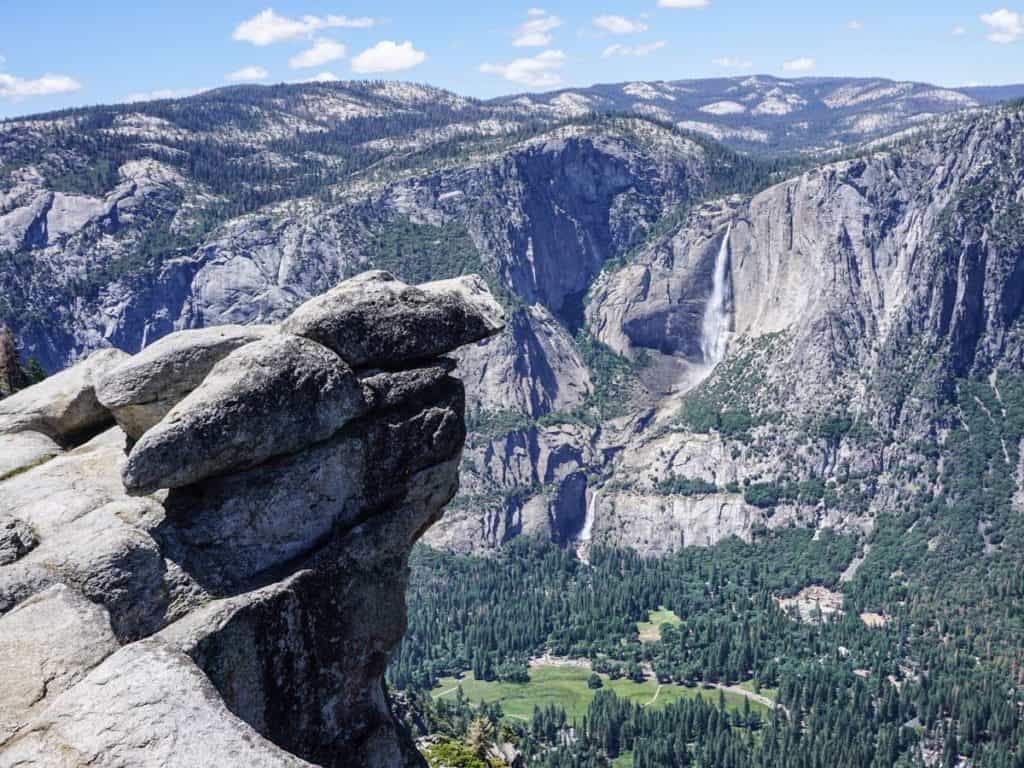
(650, 631)
(567, 687)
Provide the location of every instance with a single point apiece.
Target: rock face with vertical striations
(224, 586)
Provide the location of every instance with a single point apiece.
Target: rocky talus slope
(203, 547)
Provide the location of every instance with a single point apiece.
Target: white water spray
(588, 522)
(583, 540)
(715, 328)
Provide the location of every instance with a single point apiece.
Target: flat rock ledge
(204, 546)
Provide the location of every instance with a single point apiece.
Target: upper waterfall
(715, 327)
(588, 522)
(586, 532)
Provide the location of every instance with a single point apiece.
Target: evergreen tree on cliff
(11, 377)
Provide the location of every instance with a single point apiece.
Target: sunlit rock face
(223, 581)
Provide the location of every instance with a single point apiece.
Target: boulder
(226, 530)
(269, 398)
(374, 319)
(47, 644)
(17, 539)
(64, 406)
(22, 450)
(474, 291)
(142, 390)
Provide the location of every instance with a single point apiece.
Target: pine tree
(34, 372)
(480, 736)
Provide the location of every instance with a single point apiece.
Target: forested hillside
(886, 680)
(771, 389)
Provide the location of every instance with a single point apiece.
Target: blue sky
(71, 52)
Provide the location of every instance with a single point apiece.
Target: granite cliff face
(540, 216)
(858, 298)
(861, 296)
(854, 295)
(203, 548)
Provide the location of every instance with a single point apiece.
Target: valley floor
(567, 687)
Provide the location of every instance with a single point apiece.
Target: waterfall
(715, 328)
(583, 540)
(588, 522)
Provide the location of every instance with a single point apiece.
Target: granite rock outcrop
(203, 548)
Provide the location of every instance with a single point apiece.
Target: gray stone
(387, 389)
(269, 398)
(229, 528)
(374, 319)
(17, 539)
(47, 644)
(54, 494)
(113, 563)
(141, 391)
(63, 406)
(145, 706)
(21, 451)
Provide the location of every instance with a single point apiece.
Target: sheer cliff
(203, 547)
(869, 305)
(862, 297)
(856, 296)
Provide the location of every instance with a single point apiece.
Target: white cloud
(854, 25)
(323, 77)
(163, 93)
(542, 70)
(801, 64)
(247, 75)
(388, 56)
(322, 52)
(536, 12)
(958, 31)
(633, 50)
(267, 27)
(12, 87)
(536, 32)
(1005, 26)
(619, 25)
(684, 3)
(732, 62)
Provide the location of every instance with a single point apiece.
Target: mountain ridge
(556, 216)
